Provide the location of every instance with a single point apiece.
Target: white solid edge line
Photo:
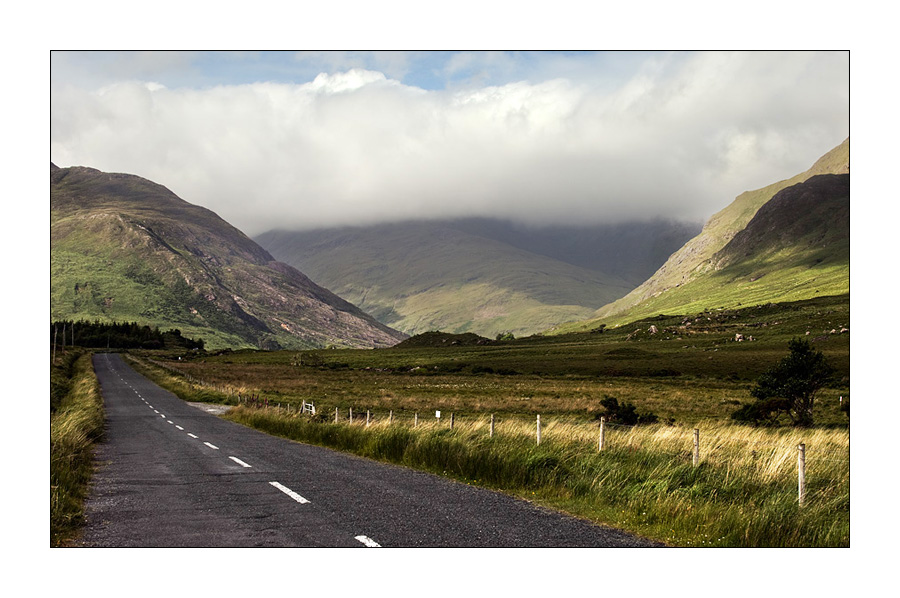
(368, 541)
(290, 493)
(238, 461)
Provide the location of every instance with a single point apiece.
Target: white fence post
(336, 414)
(696, 447)
(539, 429)
(801, 473)
(416, 420)
(602, 441)
(351, 415)
(367, 418)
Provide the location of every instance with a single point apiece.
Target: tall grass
(75, 425)
(743, 493)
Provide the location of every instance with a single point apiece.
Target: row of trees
(117, 335)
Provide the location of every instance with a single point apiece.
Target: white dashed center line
(179, 427)
(212, 446)
(368, 541)
(191, 435)
(290, 493)
(238, 461)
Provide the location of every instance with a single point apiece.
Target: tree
(790, 387)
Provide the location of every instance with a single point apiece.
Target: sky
(300, 140)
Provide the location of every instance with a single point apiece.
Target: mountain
(785, 242)
(481, 276)
(123, 248)
(631, 251)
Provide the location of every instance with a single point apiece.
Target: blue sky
(311, 139)
(427, 70)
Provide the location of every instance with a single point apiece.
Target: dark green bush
(625, 413)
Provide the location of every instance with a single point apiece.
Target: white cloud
(681, 136)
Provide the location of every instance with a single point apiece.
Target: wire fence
(734, 446)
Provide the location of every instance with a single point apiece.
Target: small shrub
(625, 413)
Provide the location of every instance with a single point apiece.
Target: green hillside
(788, 254)
(419, 276)
(123, 248)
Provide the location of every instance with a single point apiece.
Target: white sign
(437, 414)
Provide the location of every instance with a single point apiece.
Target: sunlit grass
(743, 493)
(74, 428)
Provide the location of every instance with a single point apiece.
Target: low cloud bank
(678, 139)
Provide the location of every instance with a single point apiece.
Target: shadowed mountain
(123, 248)
(785, 242)
(473, 275)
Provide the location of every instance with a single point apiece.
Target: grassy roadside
(744, 493)
(76, 424)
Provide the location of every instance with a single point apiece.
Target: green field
(691, 369)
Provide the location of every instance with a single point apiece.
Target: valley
(691, 369)
(483, 276)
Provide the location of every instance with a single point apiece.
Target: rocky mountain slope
(124, 248)
(785, 242)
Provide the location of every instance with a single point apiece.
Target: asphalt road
(172, 475)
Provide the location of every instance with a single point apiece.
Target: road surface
(173, 475)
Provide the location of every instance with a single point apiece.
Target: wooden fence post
(492, 425)
(391, 417)
(696, 447)
(451, 421)
(801, 473)
(539, 429)
(602, 433)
